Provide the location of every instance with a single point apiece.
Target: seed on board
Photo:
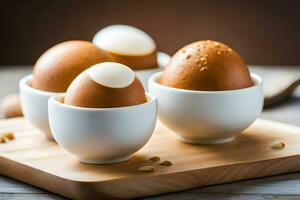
(165, 163)
(9, 136)
(148, 168)
(277, 145)
(154, 158)
(2, 140)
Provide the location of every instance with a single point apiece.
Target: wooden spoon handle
(282, 96)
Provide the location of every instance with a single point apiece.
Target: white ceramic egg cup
(34, 102)
(34, 105)
(207, 117)
(102, 135)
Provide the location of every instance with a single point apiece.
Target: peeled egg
(58, 66)
(208, 66)
(105, 85)
(127, 45)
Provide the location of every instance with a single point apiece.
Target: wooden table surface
(276, 187)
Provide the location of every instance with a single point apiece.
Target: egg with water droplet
(105, 85)
(127, 45)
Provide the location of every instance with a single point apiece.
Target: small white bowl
(34, 102)
(144, 74)
(207, 117)
(102, 135)
(34, 105)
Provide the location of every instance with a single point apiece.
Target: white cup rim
(54, 99)
(161, 62)
(23, 83)
(153, 81)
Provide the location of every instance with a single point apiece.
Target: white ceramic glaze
(207, 117)
(102, 135)
(35, 105)
(144, 74)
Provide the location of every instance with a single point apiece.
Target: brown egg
(206, 65)
(58, 66)
(10, 106)
(105, 85)
(127, 45)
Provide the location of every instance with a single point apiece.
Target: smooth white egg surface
(111, 74)
(124, 40)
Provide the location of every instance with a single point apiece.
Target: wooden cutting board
(33, 159)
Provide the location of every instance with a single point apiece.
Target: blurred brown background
(263, 32)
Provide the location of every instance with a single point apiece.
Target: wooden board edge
(41, 179)
(143, 186)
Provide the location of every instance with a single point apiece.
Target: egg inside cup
(133, 47)
(105, 115)
(206, 94)
(52, 74)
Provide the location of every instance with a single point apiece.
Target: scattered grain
(165, 163)
(154, 158)
(9, 135)
(277, 145)
(2, 140)
(148, 168)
